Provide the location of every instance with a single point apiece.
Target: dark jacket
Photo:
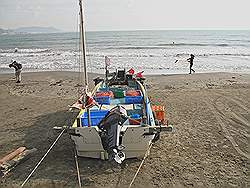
(190, 60)
(17, 66)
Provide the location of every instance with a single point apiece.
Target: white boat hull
(135, 139)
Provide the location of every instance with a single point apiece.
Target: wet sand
(208, 148)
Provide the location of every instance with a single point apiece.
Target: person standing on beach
(18, 69)
(191, 60)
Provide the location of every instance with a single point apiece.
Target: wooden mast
(83, 47)
(83, 60)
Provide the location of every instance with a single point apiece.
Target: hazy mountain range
(30, 30)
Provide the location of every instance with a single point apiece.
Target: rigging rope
(79, 91)
(78, 52)
(25, 181)
(90, 63)
(77, 169)
(145, 156)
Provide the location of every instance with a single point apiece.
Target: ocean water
(155, 52)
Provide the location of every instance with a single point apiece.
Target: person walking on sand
(18, 69)
(191, 61)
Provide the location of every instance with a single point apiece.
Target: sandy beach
(208, 148)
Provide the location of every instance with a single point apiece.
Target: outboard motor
(111, 133)
(97, 80)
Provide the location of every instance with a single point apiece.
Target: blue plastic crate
(117, 101)
(133, 99)
(103, 89)
(102, 100)
(95, 117)
(135, 116)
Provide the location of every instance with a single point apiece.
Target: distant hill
(5, 31)
(37, 30)
(29, 30)
(2, 31)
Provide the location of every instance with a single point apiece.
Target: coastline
(209, 111)
(143, 50)
(147, 72)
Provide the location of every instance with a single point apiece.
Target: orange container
(104, 93)
(159, 112)
(133, 93)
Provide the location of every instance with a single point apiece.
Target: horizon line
(165, 29)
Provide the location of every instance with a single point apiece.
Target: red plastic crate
(133, 93)
(104, 94)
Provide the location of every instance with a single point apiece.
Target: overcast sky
(127, 14)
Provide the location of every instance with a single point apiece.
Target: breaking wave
(169, 45)
(112, 54)
(28, 50)
(191, 44)
(216, 54)
(150, 49)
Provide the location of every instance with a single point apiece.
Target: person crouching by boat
(191, 61)
(18, 70)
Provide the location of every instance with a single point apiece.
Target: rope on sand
(78, 171)
(25, 181)
(145, 156)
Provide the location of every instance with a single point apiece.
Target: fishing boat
(116, 120)
(121, 119)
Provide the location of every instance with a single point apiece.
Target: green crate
(118, 93)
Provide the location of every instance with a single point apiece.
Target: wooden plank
(12, 155)
(7, 166)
